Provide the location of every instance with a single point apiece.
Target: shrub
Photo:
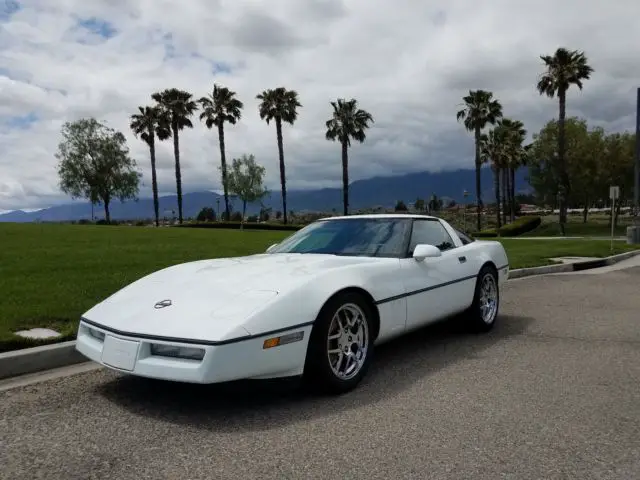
(518, 227)
(247, 226)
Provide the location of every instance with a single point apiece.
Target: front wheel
(341, 344)
(486, 300)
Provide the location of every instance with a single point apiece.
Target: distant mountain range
(367, 193)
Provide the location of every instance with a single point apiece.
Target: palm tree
(219, 107)
(492, 149)
(145, 125)
(514, 135)
(563, 69)
(176, 106)
(280, 105)
(348, 121)
(480, 109)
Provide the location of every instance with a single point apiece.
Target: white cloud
(407, 62)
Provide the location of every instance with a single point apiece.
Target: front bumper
(245, 359)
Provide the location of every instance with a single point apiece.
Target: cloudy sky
(408, 62)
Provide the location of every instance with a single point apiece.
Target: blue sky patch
(22, 121)
(8, 8)
(99, 27)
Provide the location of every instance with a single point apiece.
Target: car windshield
(370, 237)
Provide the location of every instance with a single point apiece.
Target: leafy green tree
(144, 125)
(207, 214)
(94, 163)
(246, 181)
(217, 108)
(400, 206)
(563, 69)
(176, 107)
(348, 122)
(480, 109)
(280, 105)
(419, 204)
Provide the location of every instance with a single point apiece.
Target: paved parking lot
(552, 392)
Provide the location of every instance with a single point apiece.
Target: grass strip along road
(51, 273)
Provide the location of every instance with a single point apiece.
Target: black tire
(477, 321)
(319, 374)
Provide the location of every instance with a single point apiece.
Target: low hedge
(517, 227)
(246, 226)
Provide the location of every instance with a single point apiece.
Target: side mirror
(423, 251)
(272, 247)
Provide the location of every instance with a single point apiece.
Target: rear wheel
(486, 300)
(341, 344)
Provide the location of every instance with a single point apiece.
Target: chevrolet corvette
(314, 305)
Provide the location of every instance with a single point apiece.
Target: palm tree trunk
(505, 195)
(496, 187)
(585, 211)
(478, 186)
(512, 192)
(345, 177)
(564, 180)
(176, 154)
(283, 180)
(223, 164)
(154, 179)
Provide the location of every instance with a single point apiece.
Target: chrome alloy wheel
(488, 298)
(347, 342)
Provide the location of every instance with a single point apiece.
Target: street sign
(614, 192)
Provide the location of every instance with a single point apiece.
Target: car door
(432, 286)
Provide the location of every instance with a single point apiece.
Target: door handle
(462, 259)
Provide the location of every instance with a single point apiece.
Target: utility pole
(636, 191)
(633, 232)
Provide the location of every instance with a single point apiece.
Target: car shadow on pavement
(267, 404)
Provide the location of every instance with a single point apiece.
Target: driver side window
(430, 232)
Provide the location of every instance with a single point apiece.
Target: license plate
(120, 353)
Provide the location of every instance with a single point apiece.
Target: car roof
(381, 215)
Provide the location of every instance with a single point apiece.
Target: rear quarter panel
(491, 251)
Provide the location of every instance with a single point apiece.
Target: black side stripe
(193, 341)
(422, 290)
(433, 287)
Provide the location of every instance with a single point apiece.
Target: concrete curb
(37, 359)
(572, 267)
(47, 357)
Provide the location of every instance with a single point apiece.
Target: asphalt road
(552, 392)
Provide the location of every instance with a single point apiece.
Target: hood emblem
(162, 304)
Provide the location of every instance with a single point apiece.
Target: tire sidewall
(477, 320)
(317, 365)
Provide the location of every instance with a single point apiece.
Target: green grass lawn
(51, 274)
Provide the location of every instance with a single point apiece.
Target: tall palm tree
(563, 69)
(514, 136)
(493, 149)
(176, 106)
(480, 109)
(348, 121)
(219, 107)
(144, 125)
(280, 105)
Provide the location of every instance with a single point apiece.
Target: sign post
(614, 193)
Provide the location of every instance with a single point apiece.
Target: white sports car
(313, 305)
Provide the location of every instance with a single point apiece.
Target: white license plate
(120, 353)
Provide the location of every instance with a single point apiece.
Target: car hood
(210, 299)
